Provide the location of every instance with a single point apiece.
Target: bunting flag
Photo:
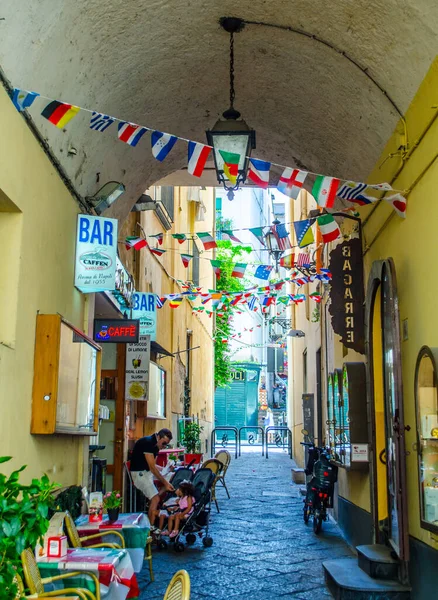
(216, 264)
(207, 240)
(316, 296)
(135, 242)
(259, 172)
(159, 237)
(258, 232)
(282, 236)
(231, 165)
(100, 122)
(60, 113)
(130, 133)
(161, 302)
(354, 192)
(398, 203)
(297, 298)
(227, 234)
(287, 261)
(157, 251)
(162, 144)
(175, 302)
(181, 237)
(239, 270)
(263, 271)
(186, 258)
(304, 260)
(329, 228)
(197, 157)
(385, 187)
(291, 182)
(251, 303)
(23, 99)
(304, 232)
(324, 190)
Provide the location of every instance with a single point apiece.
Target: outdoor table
(134, 527)
(112, 567)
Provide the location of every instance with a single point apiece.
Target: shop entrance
(388, 464)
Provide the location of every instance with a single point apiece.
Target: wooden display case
(66, 385)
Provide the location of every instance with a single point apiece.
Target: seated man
(144, 468)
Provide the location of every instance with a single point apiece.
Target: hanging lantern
(231, 138)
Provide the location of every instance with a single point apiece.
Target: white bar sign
(137, 369)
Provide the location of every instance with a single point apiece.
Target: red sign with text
(116, 331)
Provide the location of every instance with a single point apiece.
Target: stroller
(198, 522)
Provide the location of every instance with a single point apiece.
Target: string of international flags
(325, 188)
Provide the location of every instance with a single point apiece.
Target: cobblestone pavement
(261, 546)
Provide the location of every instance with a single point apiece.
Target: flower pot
(113, 514)
(196, 458)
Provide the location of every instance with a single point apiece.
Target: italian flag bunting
(207, 240)
(231, 165)
(135, 242)
(329, 228)
(216, 264)
(324, 190)
(186, 258)
(181, 237)
(238, 270)
(158, 237)
(157, 251)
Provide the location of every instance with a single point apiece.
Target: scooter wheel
(207, 541)
(190, 538)
(317, 523)
(179, 547)
(306, 514)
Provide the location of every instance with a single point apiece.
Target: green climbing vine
(229, 254)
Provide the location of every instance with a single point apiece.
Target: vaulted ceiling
(164, 64)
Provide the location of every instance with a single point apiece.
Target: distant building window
(167, 200)
(195, 264)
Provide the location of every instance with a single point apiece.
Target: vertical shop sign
(347, 294)
(96, 253)
(144, 308)
(137, 369)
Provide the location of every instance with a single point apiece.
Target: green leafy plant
(173, 457)
(228, 255)
(112, 500)
(69, 499)
(23, 521)
(192, 437)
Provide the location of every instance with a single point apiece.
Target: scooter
(320, 487)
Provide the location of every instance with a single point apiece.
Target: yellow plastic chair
(35, 582)
(225, 458)
(148, 557)
(179, 587)
(76, 540)
(216, 466)
(21, 593)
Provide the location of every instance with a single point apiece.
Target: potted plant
(23, 521)
(112, 501)
(192, 443)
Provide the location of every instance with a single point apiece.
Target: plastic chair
(179, 587)
(148, 557)
(76, 540)
(225, 458)
(35, 582)
(216, 467)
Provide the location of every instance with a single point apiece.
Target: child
(179, 511)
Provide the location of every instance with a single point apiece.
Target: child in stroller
(197, 521)
(177, 511)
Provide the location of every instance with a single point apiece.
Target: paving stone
(262, 548)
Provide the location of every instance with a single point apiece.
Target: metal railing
(268, 430)
(224, 439)
(253, 428)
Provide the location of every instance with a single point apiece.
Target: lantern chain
(232, 92)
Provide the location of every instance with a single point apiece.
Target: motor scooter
(320, 487)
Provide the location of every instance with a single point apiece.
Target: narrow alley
(261, 545)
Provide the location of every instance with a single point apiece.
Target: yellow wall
(158, 275)
(412, 243)
(37, 249)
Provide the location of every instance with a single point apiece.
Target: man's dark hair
(165, 433)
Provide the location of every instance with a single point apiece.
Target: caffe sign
(347, 294)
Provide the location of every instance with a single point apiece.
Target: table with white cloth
(113, 568)
(134, 527)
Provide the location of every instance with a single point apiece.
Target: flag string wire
(188, 141)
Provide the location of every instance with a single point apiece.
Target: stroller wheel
(190, 538)
(207, 541)
(179, 547)
(161, 544)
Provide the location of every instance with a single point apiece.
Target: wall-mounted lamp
(106, 196)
